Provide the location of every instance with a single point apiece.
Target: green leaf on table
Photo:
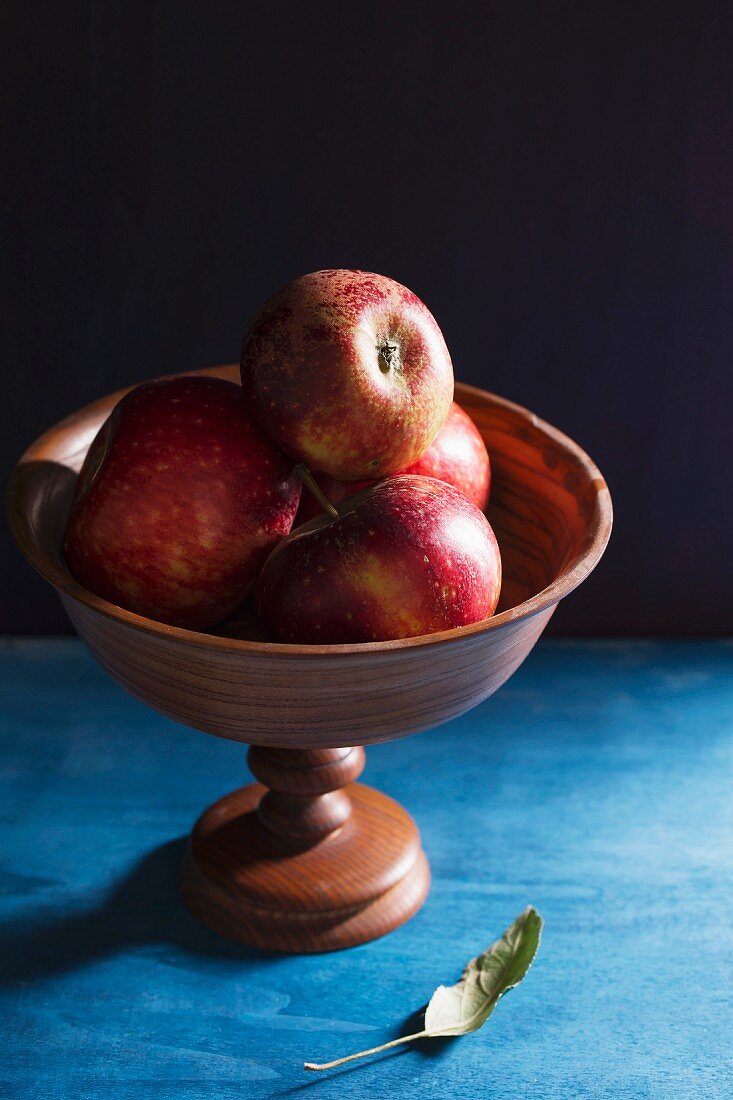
(461, 1008)
(465, 1006)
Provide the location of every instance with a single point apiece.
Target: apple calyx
(302, 471)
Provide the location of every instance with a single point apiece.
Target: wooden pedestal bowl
(307, 859)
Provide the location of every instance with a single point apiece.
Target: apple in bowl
(348, 372)
(179, 501)
(407, 556)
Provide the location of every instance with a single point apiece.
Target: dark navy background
(555, 180)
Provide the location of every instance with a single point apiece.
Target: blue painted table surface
(596, 785)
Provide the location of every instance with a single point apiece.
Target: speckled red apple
(349, 373)
(407, 556)
(179, 501)
(457, 456)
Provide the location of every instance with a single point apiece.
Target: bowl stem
(306, 859)
(305, 800)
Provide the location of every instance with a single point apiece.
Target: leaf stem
(365, 1053)
(302, 471)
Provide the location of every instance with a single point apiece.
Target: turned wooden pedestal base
(306, 860)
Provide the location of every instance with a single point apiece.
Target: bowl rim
(52, 571)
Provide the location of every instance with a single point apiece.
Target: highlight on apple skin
(457, 456)
(407, 556)
(348, 372)
(180, 500)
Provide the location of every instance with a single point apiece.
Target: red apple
(179, 501)
(457, 456)
(349, 373)
(409, 555)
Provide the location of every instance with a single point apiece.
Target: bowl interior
(547, 499)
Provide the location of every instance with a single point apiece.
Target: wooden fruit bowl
(307, 859)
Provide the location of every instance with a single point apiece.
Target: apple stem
(310, 482)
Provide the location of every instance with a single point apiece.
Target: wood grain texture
(310, 862)
(304, 801)
(551, 512)
(362, 880)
